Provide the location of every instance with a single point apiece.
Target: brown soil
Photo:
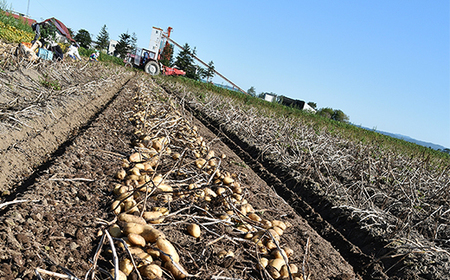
(62, 158)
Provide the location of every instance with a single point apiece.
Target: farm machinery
(148, 59)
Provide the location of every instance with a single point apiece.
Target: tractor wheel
(152, 67)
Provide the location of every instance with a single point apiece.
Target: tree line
(127, 43)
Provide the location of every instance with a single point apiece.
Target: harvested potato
(177, 274)
(167, 247)
(115, 231)
(136, 239)
(153, 217)
(120, 276)
(149, 233)
(151, 271)
(128, 218)
(126, 266)
(194, 230)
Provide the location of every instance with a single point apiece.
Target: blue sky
(385, 63)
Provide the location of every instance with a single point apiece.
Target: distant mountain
(409, 139)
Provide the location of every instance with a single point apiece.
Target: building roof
(61, 28)
(28, 21)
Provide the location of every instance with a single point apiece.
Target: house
(269, 97)
(112, 47)
(62, 34)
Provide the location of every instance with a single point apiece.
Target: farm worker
(37, 29)
(56, 49)
(73, 52)
(36, 26)
(94, 56)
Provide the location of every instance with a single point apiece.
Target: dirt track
(64, 162)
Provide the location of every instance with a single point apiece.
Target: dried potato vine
(173, 177)
(391, 194)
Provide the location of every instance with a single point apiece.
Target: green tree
(210, 71)
(336, 115)
(326, 112)
(102, 38)
(48, 31)
(124, 45)
(339, 116)
(185, 61)
(83, 38)
(252, 91)
(167, 55)
(312, 105)
(133, 41)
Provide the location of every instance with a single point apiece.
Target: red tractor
(147, 59)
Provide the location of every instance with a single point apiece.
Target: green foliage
(312, 105)
(167, 55)
(336, 115)
(103, 57)
(209, 72)
(83, 38)
(8, 19)
(344, 129)
(48, 31)
(124, 45)
(102, 38)
(51, 84)
(252, 91)
(185, 61)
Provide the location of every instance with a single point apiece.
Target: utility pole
(28, 8)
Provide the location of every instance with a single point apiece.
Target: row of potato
(141, 181)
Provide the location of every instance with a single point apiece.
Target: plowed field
(77, 138)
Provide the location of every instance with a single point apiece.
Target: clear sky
(385, 63)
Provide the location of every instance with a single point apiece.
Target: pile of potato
(171, 163)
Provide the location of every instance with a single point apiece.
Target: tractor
(147, 59)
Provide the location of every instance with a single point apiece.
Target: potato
(279, 224)
(278, 230)
(270, 245)
(153, 252)
(254, 217)
(165, 187)
(228, 180)
(149, 233)
(288, 252)
(263, 263)
(277, 254)
(121, 174)
(167, 247)
(151, 271)
(220, 191)
(136, 239)
(126, 266)
(153, 217)
(200, 162)
(116, 208)
(120, 276)
(276, 263)
(115, 231)
(135, 157)
(176, 156)
(194, 230)
(128, 218)
(177, 274)
(273, 272)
